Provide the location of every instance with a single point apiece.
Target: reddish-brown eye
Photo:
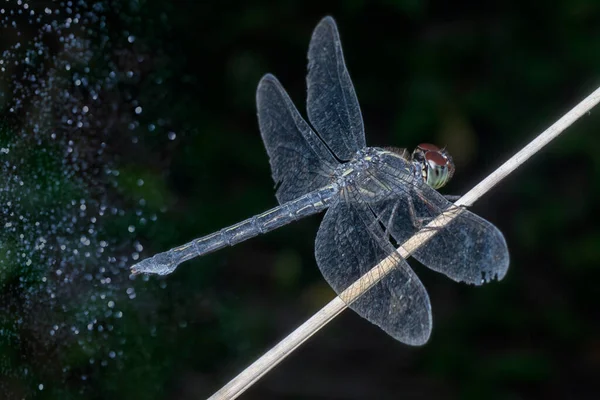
(435, 163)
(438, 170)
(428, 147)
(436, 158)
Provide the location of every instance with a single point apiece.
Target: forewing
(332, 105)
(468, 249)
(349, 243)
(300, 161)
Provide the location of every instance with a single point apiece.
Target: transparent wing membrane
(349, 243)
(332, 104)
(468, 249)
(300, 161)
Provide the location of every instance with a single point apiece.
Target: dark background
(481, 80)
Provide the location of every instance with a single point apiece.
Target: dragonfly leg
(419, 222)
(390, 220)
(424, 220)
(415, 220)
(452, 197)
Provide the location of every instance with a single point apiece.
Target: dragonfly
(375, 199)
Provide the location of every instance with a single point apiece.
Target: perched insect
(374, 197)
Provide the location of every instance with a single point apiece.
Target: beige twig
(270, 359)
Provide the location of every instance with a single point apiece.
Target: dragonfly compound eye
(438, 169)
(436, 164)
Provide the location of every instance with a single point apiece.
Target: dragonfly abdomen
(311, 203)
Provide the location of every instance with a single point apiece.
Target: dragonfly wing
(468, 249)
(300, 161)
(349, 243)
(332, 104)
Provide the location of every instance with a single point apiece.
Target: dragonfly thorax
(371, 167)
(427, 164)
(355, 170)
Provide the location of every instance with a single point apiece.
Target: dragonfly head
(436, 164)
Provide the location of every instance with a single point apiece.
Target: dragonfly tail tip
(160, 264)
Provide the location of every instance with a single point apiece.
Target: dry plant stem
(254, 372)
